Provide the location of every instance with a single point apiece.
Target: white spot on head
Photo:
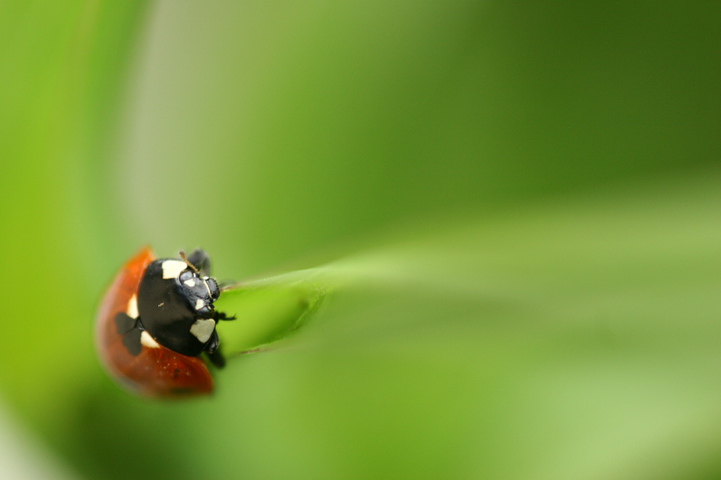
(172, 268)
(148, 341)
(199, 304)
(202, 329)
(132, 310)
(190, 282)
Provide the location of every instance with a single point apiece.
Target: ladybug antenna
(182, 255)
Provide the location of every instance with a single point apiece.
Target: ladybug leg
(222, 316)
(200, 259)
(214, 355)
(212, 345)
(217, 359)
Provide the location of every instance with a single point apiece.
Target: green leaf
(562, 341)
(267, 310)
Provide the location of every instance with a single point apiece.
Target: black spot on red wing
(124, 323)
(131, 340)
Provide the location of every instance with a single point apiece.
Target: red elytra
(155, 372)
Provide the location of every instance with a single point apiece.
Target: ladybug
(155, 321)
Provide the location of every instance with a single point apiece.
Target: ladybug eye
(186, 275)
(213, 287)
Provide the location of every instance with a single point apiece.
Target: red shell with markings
(156, 371)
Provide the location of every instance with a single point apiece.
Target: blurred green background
(515, 207)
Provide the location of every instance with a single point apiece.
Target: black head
(200, 292)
